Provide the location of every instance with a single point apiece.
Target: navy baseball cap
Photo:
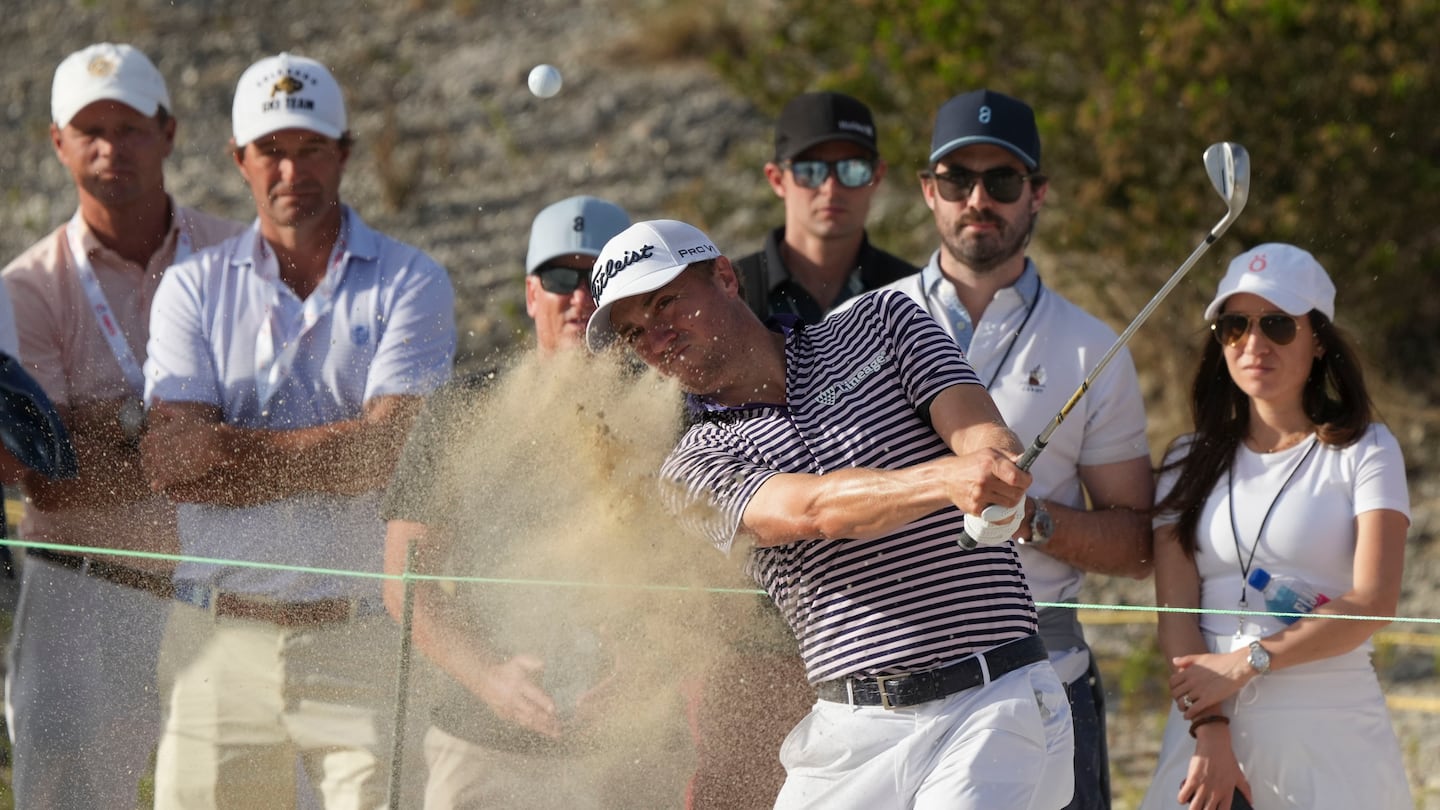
(29, 426)
(985, 116)
(814, 118)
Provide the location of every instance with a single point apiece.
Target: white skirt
(1316, 736)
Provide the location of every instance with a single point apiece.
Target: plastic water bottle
(1286, 594)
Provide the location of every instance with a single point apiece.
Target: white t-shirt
(389, 331)
(1311, 530)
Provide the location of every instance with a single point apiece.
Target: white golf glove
(993, 526)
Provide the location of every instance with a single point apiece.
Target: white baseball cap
(576, 225)
(106, 72)
(287, 92)
(1284, 275)
(642, 258)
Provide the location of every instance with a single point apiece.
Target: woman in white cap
(1285, 472)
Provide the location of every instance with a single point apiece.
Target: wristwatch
(1259, 657)
(1042, 526)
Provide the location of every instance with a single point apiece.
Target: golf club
(1228, 165)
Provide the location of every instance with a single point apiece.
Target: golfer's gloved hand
(993, 526)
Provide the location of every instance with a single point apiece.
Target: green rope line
(414, 577)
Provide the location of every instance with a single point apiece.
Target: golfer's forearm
(856, 504)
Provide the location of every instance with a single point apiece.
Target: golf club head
(1228, 165)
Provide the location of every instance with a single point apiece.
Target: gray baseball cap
(574, 225)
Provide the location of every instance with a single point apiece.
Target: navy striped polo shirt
(858, 389)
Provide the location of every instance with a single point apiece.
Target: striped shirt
(858, 389)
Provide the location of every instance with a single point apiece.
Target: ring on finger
(1186, 702)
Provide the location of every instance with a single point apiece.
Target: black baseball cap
(985, 116)
(813, 118)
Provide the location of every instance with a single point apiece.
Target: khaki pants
(465, 776)
(245, 698)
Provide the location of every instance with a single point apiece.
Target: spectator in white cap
(1287, 473)
(1033, 347)
(285, 368)
(503, 730)
(81, 689)
(844, 459)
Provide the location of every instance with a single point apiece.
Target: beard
(988, 250)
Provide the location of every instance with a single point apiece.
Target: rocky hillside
(456, 156)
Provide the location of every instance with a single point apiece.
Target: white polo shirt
(390, 330)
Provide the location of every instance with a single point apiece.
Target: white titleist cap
(1284, 275)
(642, 258)
(287, 92)
(106, 72)
(573, 226)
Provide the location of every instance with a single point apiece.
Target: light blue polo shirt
(390, 330)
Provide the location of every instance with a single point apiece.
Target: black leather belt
(284, 614)
(157, 584)
(913, 688)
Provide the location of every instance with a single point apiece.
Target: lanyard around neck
(1014, 337)
(100, 305)
(1247, 561)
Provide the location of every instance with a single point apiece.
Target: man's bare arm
(109, 463)
(191, 455)
(1114, 537)
(508, 686)
(864, 503)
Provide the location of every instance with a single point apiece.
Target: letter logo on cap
(602, 278)
(1258, 263)
(286, 85)
(102, 66)
(985, 114)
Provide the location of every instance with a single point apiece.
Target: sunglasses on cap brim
(1230, 330)
(1002, 185)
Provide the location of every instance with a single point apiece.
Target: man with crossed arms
(285, 368)
(80, 696)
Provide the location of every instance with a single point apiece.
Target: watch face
(1041, 526)
(1259, 658)
(132, 419)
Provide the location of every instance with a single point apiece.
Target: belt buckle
(880, 681)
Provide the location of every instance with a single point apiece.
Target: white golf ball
(545, 81)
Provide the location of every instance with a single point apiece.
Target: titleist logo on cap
(602, 275)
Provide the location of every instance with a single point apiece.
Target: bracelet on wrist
(1207, 720)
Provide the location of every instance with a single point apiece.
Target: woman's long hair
(1334, 398)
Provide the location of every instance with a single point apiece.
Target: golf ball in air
(545, 81)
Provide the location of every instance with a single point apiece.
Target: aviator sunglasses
(1230, 330)
(562, 280)
(849, 172)
(1003, 184)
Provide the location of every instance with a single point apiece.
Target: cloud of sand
(554, 473)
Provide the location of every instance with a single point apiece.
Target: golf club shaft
(1235, 189)
(1038, 446)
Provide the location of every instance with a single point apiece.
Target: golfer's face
(675, 328)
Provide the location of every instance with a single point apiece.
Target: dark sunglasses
(1231, 329)
(1003, 184)
(562, 280)
(850, 172)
